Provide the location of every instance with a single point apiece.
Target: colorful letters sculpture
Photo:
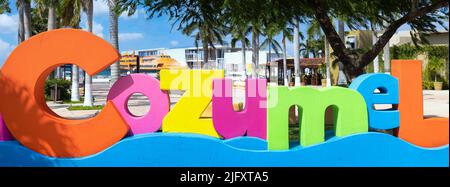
(35, 136)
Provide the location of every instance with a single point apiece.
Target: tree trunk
(114, 38)
(297, 72)
(327, 61)
(255, 52)
(205, 53)
(341, 77)
(244, 63)
(75, 95)
(355, 64)
(376, 64)
(267, 70)
(51, 25)
(386, 57)
(21, 29)
(88, 100)
(27, 19)
(285, 77)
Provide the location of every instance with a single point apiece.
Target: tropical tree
(114, 36)
(21, 29)
(240, 31)
(26, 4)
(88, 7)
(253, 13)
(4, 6)
(421, 16)
(70, 14)
(270, 31)
(205, 25)
(202, 19)
(51, 24)
(286, 34)
(314, 31)
(341, 32)
(297, 72)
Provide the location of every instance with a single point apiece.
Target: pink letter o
(125, 87)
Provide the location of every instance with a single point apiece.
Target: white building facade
(220, 57)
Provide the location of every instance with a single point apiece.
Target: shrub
(427, 85)
(63, 88)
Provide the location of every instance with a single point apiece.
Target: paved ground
(436, 103)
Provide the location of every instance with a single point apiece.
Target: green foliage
(427, 85)
(62, 85)
(435, 65)
(404, 51)
(438, 59)
(39, 22)
(4, 6)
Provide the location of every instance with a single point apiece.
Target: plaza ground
(435, 103)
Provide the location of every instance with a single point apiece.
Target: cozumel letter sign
(31, 134)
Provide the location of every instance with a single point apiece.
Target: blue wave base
(176, 149)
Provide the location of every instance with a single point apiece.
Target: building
(220, 57)
(151, 64)
(404, 37)
(435, 40)
(234, 67)
(312, 71)
(354, 39)
(129, 63)
(191, 57)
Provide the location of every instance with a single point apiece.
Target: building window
(351, 42)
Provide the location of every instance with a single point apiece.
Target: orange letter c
(23, 106)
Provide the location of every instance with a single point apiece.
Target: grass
(74, 102)
(97, 107)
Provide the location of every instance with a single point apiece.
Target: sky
(135, 32)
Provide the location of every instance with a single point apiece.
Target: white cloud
(174, 43)
(97, 28)
(100, 7)
(8, 23)
(130, 36)
(5, 50)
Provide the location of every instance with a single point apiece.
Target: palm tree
(255, 49)
(88, 7)
(239, 33)
(70, 13)
(201, 20)
(297, 72)
(270, 32)
(205, 31)
(287, 34)
(341, 28)
(21, 30)
(375, 60)
(51, 5)
(314, 31)
(51, 24)
(4, 6)
(386, 58)
(26, 17)
(114, 37)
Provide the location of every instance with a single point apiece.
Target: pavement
(436, 103)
